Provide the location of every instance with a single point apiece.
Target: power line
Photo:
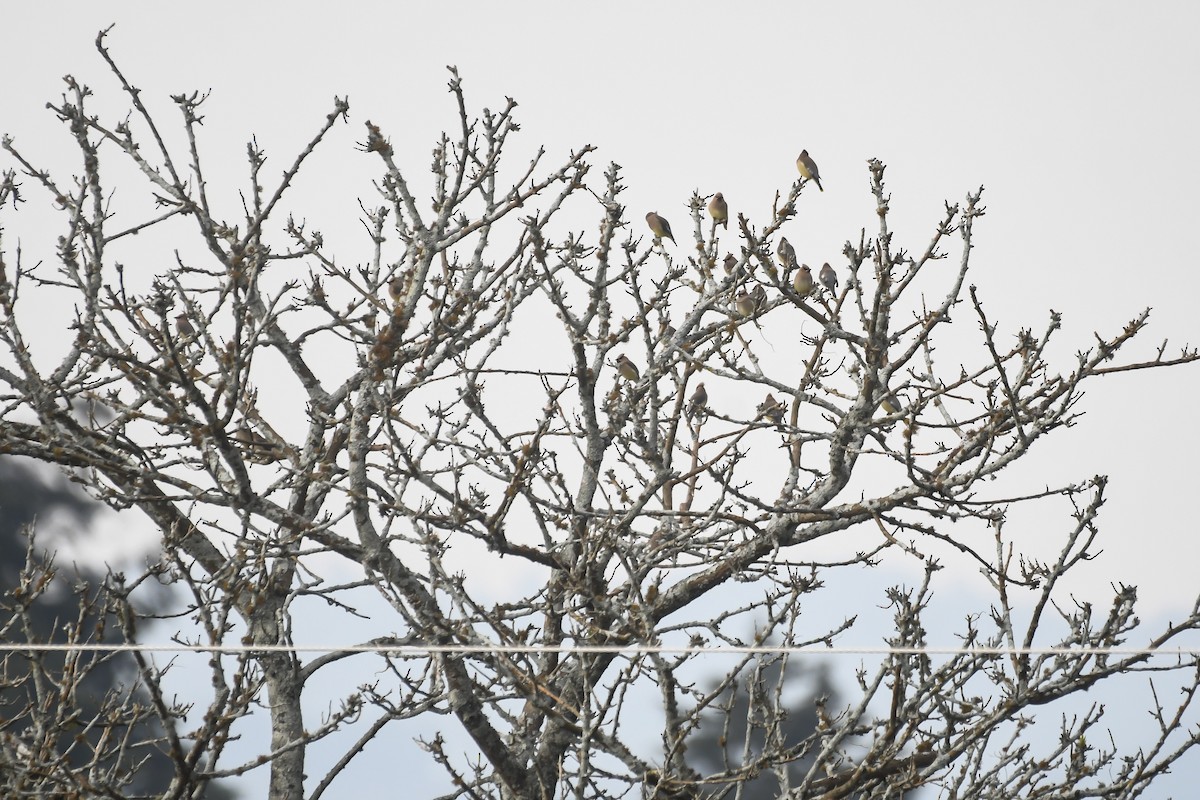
(569, 649)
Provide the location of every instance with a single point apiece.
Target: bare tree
(507, 379)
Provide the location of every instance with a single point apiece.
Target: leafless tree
(503, 378)
(73, 717)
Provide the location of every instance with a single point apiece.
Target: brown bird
(808, 169)
(396, 288)
(183, 326)
(786, 253)
(627, 369)
(731, 263)
(770, 410)
(659, 226)
(890, 403)
(667, 335)
(257, 448)
(803, 282)
(719, 210)
(829, 278)
(759, 296)
(318, 292)
(698, 402)
(744, 304)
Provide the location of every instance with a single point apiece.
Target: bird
(396, 288)
(770, 410)
(803, 282)
(890, 403)
(627, 369)
(808, 169)
(744, 304)
(719, 210)
(183, 326)
(667, 335)
(829, 278)
(258, 449)
(759, 296)
(731, 263)
(659, 226)
(786, 253)
(698, 402)
(687, 343)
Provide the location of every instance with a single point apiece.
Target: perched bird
(318, 292)
(659, 226)
(890, 403)
(770, 410)
(627, 369)
(686, 343)
(396, 288)
(786, 253)
(183, 326)
(698, 402)
(747, 304)
(719, 210)
(257, 448)
(803, 282)
(829, 278)
(731, 263)
(759, 296)
(808, 169)
(667, 335)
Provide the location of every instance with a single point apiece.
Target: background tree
(75, 723)
(507, 380)
(753, 716)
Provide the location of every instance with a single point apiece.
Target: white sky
(1080, 119)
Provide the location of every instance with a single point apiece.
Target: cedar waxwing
(730, 263)
(659, 226)
(667, 336)
(786, 253)
(258, 449)
(803, 282)
(396, 288)
(829, 278)
(808, 169)
(759, 296)
(183, 326)
(890, 403)
(627, 369)
(744, 304)
(698, 401)
(719, 210)
(770, 410)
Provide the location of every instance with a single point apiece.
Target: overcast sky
(1080, 119)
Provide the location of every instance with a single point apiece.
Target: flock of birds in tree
(747, 303)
